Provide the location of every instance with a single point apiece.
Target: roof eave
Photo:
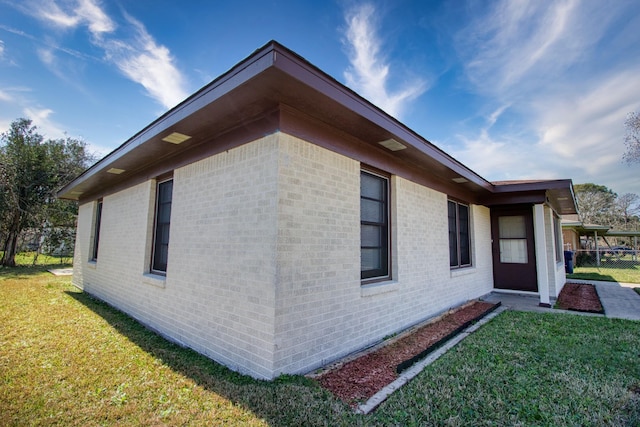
(273, 55)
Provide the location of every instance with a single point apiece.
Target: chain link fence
(616, 256)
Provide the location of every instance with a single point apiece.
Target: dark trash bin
(568, 262)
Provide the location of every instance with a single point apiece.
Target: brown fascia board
(248, 68)
(302, 70)
(531, 185)
(559, 193)
(273, 55)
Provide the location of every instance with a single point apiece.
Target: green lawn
(628, 274)
(69, 360)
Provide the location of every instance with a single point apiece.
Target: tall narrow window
(161, 232)
(374, 226)
(96, 231)
(459, 235)
(557, 231)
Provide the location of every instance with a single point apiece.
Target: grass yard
(69, 360)
(628, 274)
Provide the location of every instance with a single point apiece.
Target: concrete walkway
(619, 301)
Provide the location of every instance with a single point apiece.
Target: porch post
(541, 254)
(595, 234)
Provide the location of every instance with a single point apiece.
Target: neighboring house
(276, 221)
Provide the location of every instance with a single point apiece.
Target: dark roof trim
(275, 55)
(248, 68)
(254, 88)
(298, 67)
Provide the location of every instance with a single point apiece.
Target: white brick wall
(218, 295)
(322, 310)
(264, 258)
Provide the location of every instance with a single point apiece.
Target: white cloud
(40, 117)
(97, 20)
(144, 61)
(46, 56)
(578, 134)
(4, 96)
(1, 49)
(134, 52)
(587, 127)
(565, 71)
(495, 115)
(70, 15)
(516, 47)
(369, 71)
(52, 13)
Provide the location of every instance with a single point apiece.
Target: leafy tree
(31, 170)
(632, 140)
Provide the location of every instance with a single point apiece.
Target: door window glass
(513, 240)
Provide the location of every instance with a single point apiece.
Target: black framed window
(459, 235)
(96, 231)
(374, 226)
(162, 225)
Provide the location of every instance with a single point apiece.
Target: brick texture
(264, 258)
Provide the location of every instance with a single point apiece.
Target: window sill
(154, 280)
(378, 288)
(92, 264)
(463, 271)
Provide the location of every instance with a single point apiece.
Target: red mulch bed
(359, 379)
(579, 297)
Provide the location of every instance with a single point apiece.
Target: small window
(96, 231)
(162, 225)
(374, 226)
(459, 235)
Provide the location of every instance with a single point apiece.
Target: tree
(31, 170)
(628, 209)
(595, 203)
(632, 140)
(598, 204)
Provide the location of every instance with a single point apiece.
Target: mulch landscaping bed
(579, 297)
(357, 380)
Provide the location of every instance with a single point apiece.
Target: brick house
(276, 221)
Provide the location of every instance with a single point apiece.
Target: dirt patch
(579, 297)
(357, 380)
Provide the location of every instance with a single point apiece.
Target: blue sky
(514, 89)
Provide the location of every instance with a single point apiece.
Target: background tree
(627, 209)
(595, 203)
(632, 140)
(31, 171)
(598, 204)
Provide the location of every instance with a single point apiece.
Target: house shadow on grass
(287, 400)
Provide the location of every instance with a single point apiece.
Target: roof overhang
(601, 230)
(623, 233)
(557, 193)
(252, 100)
